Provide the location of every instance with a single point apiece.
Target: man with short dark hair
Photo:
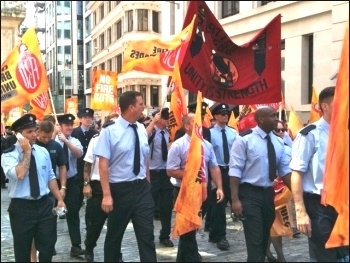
(308, 163)
(123, 155)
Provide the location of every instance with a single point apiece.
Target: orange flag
(13, 115)
(336, 176)
(294, 123)
(23, 74)
(315, 112)
(193, 186)
(155, 56)
(207, 118)
(41, 105)
(177, 104)
(104, 89)
(232, 122)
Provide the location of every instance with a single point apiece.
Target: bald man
(253, 165)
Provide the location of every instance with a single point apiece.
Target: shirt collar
(261, 132)
(325, 125)
(124, 122)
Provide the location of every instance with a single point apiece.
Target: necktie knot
(268, 138)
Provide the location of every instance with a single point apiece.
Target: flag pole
(52, 105)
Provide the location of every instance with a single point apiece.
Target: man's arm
(217, 180)
(53, 186)
(178, 174)
(62, 171)
(22, 167)
(303, 220)
(87, 191)
(107, 201)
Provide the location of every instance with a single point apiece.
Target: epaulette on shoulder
(245, 132)
(107, 124)
(307, 129)
(95, 135)
(231, 127)
(10, 149)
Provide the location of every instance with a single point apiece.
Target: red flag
(228, 73)
(193, 186)
(336, 175)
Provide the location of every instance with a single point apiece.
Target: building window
(95, 47)
(79, 8)
(87, 77)
(102, 66)
(307, 60)
(109, 6)
(142, 20)
(109, 64)
(119, 92)
(109, 36)
(118, 29)
(102, 11)
(80, 55)
(265, 2)
(282, 55)
(88, 52)
(129, 15)
(87, 26)
(80, 30)
(154, 96)
(229, 8)
(143, 91)
(119, 63)
(102, 41)
(132, 87)
(95, 18)
(67, 27)
(155, 21)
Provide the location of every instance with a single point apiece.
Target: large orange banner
(336, 175)
(13, 115)
(23, 74)
(104, 89)
(41, 105)
(155, 56)
(193, 186)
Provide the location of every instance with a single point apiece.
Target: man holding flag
(308, 162)
(190, 174)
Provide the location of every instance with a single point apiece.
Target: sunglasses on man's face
(224, 113)
(280, 130)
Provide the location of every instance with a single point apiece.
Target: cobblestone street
(295, 249)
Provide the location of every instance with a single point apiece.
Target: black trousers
(131, 200)
(322, 221)
(33, 219)
(187, 250)
(95, 217)
(207, 205)
(226, 183)
(73, 200)
(162, 190)
(259, 212)
(218, 219)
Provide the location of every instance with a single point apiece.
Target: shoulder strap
(242, 134)
(307, 129)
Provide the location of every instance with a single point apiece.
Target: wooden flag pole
(53, 106)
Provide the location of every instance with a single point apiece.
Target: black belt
(95, 182)
(22, 200)
(157, 170)
(247, 185)
(137, 181)
(224, 167)
(311, 195)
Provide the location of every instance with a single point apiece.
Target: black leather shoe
(76, 251)
(54, 252)
(89, 256)
(207, 229)
(166, 242)
(223, 244)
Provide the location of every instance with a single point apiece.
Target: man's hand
(236, 208)
(303, 223)
(87, 191)
(107, 204)
(61, 137)
(25, 145)
(219, 195)
(156, 117)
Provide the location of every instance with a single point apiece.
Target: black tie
(33, 178)
(164, 147)
(65, 150)
(137, 161)
(225, 147)
(272, 158)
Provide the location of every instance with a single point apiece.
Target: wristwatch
(86, 183)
